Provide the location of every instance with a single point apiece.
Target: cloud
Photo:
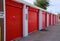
(54, 5)
(30, 1)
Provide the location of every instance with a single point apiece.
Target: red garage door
(49, 19)
(53, 19)
(44, 19)
(13, 20)
(32, 19)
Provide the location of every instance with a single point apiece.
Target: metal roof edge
(26, 3)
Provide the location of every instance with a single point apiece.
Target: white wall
(25, 21)
(40, 20)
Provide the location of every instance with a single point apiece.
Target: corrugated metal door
(13, 20)
(32, 19)
(53, 19)
(49, 19)
(44, 19)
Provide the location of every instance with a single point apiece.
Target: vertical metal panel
(44, 19)
(49, 19)
(25, 21)
(32, 19)
(40, 20)
(56, 19)
(4, 19)
(53, 19)
(13, 21)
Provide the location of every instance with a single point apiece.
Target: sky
(54, 6)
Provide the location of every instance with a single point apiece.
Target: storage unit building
(22, 18)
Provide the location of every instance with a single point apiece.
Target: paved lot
(53, 34)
